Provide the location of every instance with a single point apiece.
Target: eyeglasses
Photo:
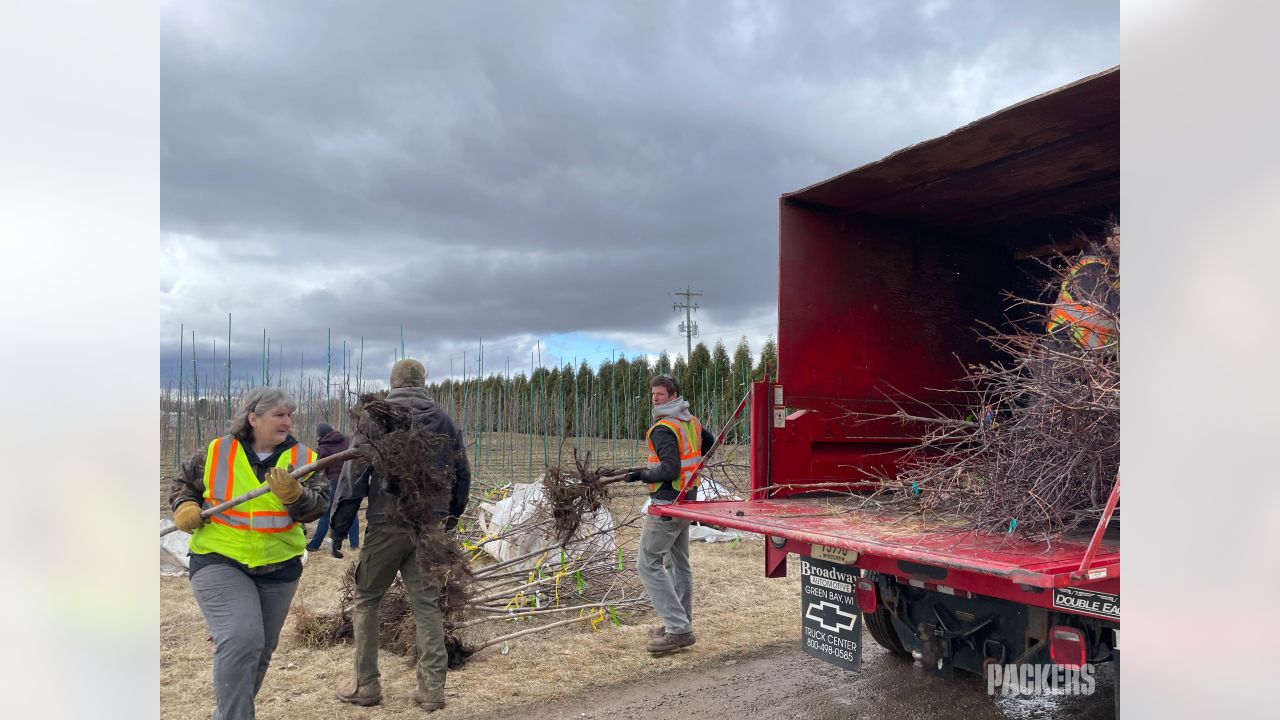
(666, 376)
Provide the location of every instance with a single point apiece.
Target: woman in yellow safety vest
(245, 562)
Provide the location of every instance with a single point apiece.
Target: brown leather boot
(670, 642)
(428, 702)
(350, 692)
(657, 632)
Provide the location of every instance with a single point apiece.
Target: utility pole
(688, 328)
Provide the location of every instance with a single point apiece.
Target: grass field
(737, 612)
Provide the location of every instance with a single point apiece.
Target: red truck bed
(888, 276)
(887, 536)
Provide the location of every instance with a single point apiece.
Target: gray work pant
(664, 569)
(245, 615)
(383, 553)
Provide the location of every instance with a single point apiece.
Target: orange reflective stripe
(1087, 325)
(231, 522)
(276, 530)
(231, 468)
(689, 453)
(212, 472)
(219, 471)
(269, 527)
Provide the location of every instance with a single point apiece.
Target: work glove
(187, 517)
(283, 485)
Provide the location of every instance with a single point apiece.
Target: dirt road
(786, 683)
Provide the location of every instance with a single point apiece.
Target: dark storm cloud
(496, 169)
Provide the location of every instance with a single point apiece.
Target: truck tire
(880, 625)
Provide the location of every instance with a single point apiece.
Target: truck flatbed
(873, 532)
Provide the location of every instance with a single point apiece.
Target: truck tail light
(1067, 646)
(866, 594)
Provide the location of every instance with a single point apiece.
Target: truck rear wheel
(880, 625)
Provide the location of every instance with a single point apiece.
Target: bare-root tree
(1035, 445)
(565, 579)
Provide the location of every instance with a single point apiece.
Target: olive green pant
(383, 553)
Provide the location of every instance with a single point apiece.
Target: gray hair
(258, 401)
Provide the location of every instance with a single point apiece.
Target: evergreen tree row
(611, 401)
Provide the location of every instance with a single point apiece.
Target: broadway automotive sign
(830, 620)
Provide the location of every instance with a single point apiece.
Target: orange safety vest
(255, 533)
(689, 437)
(1083, 322)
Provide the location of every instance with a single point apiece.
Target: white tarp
(709, 490)
(529, 502)
(173, 550)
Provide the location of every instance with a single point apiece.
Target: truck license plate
(844, 556)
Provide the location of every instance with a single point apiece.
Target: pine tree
(585, 384)
(768, 359)
(604, 400)
(639, 387)
(741, 368)
(696, 390)
(664, 364)
(720, 377)
(618, 393)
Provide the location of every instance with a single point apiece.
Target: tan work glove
(283, 485)
(187, 517)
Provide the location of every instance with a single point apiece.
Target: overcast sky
(540, 171)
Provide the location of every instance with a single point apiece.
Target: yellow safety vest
(689, 436)
(1083, 323)
(260, 531)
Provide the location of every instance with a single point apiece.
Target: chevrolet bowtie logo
(822, 611)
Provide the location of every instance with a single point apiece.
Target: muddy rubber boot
(367, 696)
(428, 703)
(670, 642)
(657, 632)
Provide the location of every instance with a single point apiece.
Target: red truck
(884, 272)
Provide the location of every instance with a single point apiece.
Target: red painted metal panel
(759, 448)
(838, 523)
(962, 581)
(867, 312)
(870, 316)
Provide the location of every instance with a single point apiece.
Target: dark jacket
(359, 479)
(333, 442)
(668, 449)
